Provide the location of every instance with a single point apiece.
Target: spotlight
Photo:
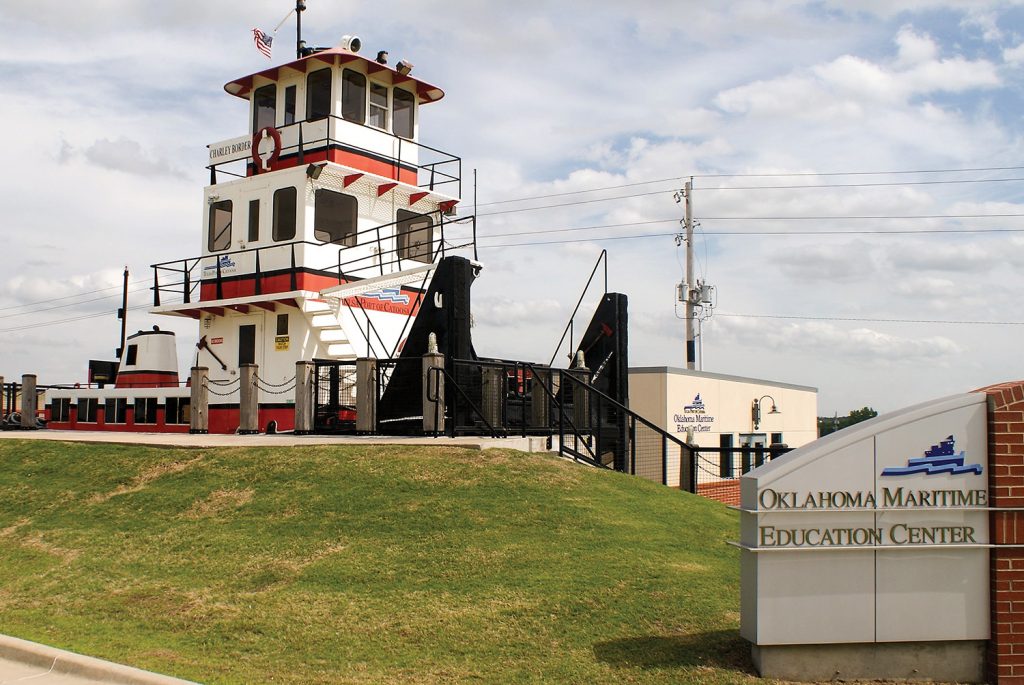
(382, 57)
(350, 43)
(314, 171)
(404, 67)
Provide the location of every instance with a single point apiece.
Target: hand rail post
(220, 290)
(259, 277)
(156, 288)
(186, 284)
(293, 276)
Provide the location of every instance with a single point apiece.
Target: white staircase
(323, 314)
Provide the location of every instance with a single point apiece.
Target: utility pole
(691, 352)
(300, 6)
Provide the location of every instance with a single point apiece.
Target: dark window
(725, 456)
(282, 324)
(776, 439)
(132, 356)
(254, 220)
(178, 410)
(415, 236)
(220, 226)
(289, 105)
(378, 106)
(145, 410)
(335, 217)
(405, 110)
(284, 214)
(60, 409)
(115, 410)
(318, 94)
(87, 409)
(264, 107)
(246, 344)
(353, 96)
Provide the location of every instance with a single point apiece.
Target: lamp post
(755, 410)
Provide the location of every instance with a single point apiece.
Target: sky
(858, 173)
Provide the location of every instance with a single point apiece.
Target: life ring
(257, 138)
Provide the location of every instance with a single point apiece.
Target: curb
(61, 661)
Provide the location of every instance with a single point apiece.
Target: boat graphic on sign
(941, 458)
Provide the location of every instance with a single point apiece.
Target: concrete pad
(31, 662)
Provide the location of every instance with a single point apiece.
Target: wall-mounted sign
(216, 341)
(694, 417)
(281, 343)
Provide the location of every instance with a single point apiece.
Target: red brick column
(1006, 489)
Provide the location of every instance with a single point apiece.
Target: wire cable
(870, 320)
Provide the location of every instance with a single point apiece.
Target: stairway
(323, 315)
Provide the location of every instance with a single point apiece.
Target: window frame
(361, 99)
(290, 97)
(145, 403)
(60, 410)
(350, 238)
(277, 214)
(120, 410)
(87, 409)
(386, 108)
(254, 221)
(217, 209)
(411, 109)
(176, 416)
(402, 236)
(257, 120)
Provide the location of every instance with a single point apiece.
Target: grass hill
(365, 565)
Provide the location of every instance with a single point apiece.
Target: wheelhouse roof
(425, 92)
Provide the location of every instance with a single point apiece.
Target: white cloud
(1014, 55)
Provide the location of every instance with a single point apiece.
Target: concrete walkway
(529, 444)
(22, 661)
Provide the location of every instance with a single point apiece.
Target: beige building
(720, 411)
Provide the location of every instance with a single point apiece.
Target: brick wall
(1006, 489)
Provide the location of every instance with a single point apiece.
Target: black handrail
(572, 317)
(435, 397)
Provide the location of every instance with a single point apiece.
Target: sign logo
(388, 295)
(224, 261)
(941, 458)
(696, 408)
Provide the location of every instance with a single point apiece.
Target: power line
(871, 320)
(69, 304)
(56, 322)
(67, 297)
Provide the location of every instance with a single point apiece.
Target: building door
(246, 344)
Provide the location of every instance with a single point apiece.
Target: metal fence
(717, 470)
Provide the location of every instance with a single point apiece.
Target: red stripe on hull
(225, 420)
(161, 425)
(354, 160)
(146, 379)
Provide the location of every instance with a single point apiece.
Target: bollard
(539, 400)
(433, 389)
(366, 395)
(248, 400)
(28, 401)
(493, 391)
(199, 420)
(303, 398)
(580, 396)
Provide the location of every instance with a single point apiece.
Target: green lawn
(365, 565)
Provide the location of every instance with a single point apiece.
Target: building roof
(671, 370)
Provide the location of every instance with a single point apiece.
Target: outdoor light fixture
(403, 67)
(314, 171)
(350, 43)
(755, 410)
(382, 57)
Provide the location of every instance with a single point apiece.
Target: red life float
(257, 138)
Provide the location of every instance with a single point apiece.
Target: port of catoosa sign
(865, 554)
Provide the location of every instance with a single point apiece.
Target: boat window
(178, 410)
(284, 214)
(116, 410)
(378, 106)
(131, 355)
(415, 236)
(60, 410)
(282, 324)
(220, 226)
(318, 94)
(264, 107)
(254, 220)
(353, 96)
(335, 217)
(87, 409)
(289, 105)
(145, 410)
(405, 107)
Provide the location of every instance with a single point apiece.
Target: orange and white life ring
(263, 164)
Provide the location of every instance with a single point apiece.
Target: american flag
(262, 41)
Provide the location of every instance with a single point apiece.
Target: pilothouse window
(405, 105)
(220, 226)
(335, 217)
(378, 106)
(264, 107)
(353, 96)
(318, 94)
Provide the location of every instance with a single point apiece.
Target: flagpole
(300, 6)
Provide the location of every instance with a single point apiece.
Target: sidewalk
(22, 661)
(529, 444)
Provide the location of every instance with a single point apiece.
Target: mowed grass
(365, 565)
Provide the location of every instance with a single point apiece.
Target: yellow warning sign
(281, 343)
